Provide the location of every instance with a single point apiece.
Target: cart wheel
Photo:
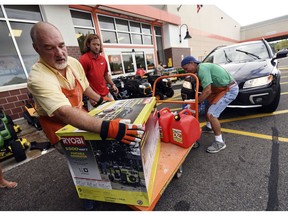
(179, 172)
(196, 145)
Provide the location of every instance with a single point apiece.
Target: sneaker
(206, 129)
(216, 147)
(89, 204)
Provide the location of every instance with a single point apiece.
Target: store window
(140, 60)
(11, 71)
(17, 53)
(109, 37)
(150, 61)
(136, 38)
(81, 18)
(124, 38)
(160, 50)
(122, 31)
(135, 27)
(1, 12)
(106, 22)
(128, 63)
(23, 12)
(146, 29)
(122, 25)
(21, 33)
(115, 63)
(83, 26)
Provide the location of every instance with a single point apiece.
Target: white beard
(61, 66)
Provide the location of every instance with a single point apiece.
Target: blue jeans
(216, 109)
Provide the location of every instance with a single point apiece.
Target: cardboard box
(111, 171)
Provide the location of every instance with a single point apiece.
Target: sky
(253, 11)
(245, 12)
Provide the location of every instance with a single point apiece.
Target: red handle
(186, 111)
(165, 109)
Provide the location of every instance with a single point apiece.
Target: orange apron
(51, 124)
(218, 92)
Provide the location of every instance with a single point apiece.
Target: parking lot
(249, 175)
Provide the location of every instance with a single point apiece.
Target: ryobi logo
(73, 141)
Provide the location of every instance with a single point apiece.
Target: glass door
(128, 61)
(133, 61)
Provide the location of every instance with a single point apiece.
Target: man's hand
(115, 89)
(123, 132)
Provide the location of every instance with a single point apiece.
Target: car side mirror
(280, 54)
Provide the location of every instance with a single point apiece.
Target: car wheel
(169, 92)
(273, 106)
(18, 151)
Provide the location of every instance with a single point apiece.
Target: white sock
(219, 138)
(208, 124)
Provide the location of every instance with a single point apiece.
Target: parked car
(254, 66)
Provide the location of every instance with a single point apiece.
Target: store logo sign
(73, 141)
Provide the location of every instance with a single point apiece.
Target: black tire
(12, 132)
(18, 151)
(159, 96)
(274, 105)
(9, 120)
(27, 116)
(111, 178)
(37, 124)
(169, 92)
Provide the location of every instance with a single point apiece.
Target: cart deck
(170, 159)
(171, 156)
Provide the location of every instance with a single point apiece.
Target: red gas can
(185, 129)
(165, 119)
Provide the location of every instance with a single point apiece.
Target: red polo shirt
(95, 69)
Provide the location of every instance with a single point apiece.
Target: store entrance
(133, 61)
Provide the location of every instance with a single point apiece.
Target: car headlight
(262, 81)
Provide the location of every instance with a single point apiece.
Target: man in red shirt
(96, 68)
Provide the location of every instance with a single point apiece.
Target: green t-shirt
(213, 74)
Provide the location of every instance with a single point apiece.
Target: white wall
(209, 28)
(59, 15)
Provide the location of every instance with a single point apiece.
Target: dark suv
(255, 68)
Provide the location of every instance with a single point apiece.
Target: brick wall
(74, 51)
(12, 102)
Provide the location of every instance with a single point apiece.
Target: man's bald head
(49, 44)
(41, 28)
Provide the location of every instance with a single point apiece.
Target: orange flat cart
(169, 163)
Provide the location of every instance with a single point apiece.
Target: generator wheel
(159, 96)
(169, 92)
(179, 172)
(18, 151)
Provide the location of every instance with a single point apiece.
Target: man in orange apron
(219, 89)
(57, 83)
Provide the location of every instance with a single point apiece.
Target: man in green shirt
(219, 89)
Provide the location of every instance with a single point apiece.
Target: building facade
(133, 36)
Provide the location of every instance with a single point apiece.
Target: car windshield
(236, 54)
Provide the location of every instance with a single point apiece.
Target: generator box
(111, 171)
